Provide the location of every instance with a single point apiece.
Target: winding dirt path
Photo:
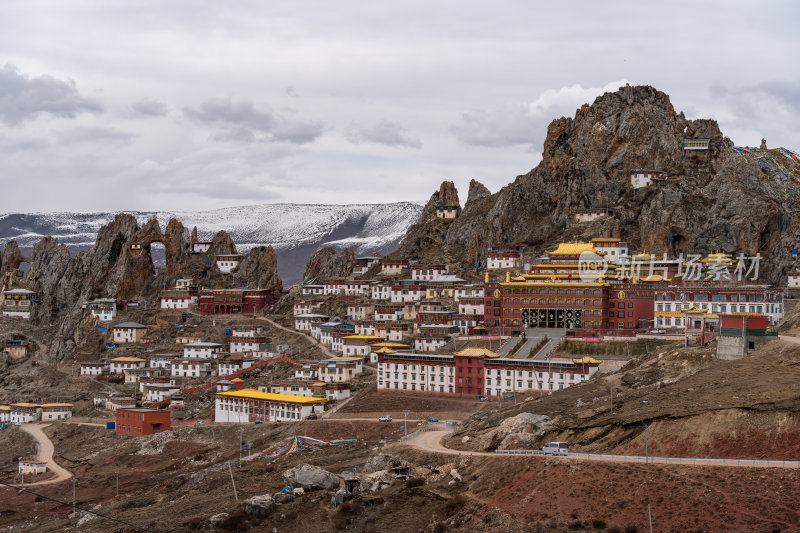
(431, 441)
(45, 454)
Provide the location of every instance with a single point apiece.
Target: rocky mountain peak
(713, 198)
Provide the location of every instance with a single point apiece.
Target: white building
(360, 311)
(306, 321)
(158, 392)
(312, 290)
(428, 272)
(162, 360)
(201, 247)
(448, 211)
(247, 405)
(119, 365)
(363, 264)
(92, 369)
(129, 332)
(24, 413)
(503, 257)
(304, 307)
(248, 344)
(612, 249)
(406, 293)
(393, 268)
(642, 177)
(340, 369)
(228, 367)
(381, 291)
(468, 291)
(470, 306)
(104, 309)
(793, 279)
(430, 344)
(190, 368)
(228, 263)
(32, 467)
(18, 303)
(5, 414)
(202, 350)
(52, 412)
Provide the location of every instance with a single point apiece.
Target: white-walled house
(307, 321)
(428, 272)
(793, 279)
(129, 332)
(247, 405)
(202, 350)
(94, 368)
(312, 290)
(340, 369)
(190, 368)
(228, 263)
(52, 412)
(393, 268)
(24, 413)
(119, 365)
(104, 309)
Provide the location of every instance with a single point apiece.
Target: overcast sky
(137, 105)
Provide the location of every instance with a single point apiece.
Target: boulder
(258, 505)
(311, 477)
(521, 430)
(218, 519)
(380, 462)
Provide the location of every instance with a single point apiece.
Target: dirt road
(45, 454)
(431, 441)
(795, 340)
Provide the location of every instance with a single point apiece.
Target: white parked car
(556, 448)
(385, 418)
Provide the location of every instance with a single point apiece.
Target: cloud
(24, 98)
(240, 121)
(86, 134)
(385, 132)
(770, 108)
(147, 107)
(524, 122)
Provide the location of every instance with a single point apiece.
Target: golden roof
(56, 405)
(23, 404)
(587, 360)
(644, 256)
(575, 248)
(385, 350)
(361, 337)
(606, 239)
(255, 395)
(390, 345)
(477, 352)
(127, 360)
(5, 407)
(717, 258)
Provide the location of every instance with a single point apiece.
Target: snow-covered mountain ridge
(294, 230)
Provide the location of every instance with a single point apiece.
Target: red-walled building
(228, 301)
(142, 421)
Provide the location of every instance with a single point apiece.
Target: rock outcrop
(310, 477)
(713, 199)
(517, 432)
(329, 262)
(259, 270)
(11, 257)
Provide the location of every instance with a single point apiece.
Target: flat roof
(204, 344)
(56, 405)
(134, 325)
(268, 396)
(127, 360)
(143, 410)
